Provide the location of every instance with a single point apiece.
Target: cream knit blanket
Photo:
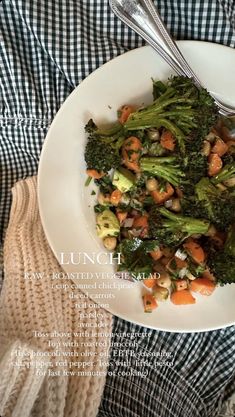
(40, 375)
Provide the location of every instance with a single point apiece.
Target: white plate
(66, 205)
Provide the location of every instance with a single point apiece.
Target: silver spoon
(142, 17)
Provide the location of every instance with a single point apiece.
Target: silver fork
(142, 17)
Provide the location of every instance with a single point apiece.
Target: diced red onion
(168, 203)
(181, 254)
(128, 222)
(183, 272)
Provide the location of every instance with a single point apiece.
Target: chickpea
(152, 184)
(196, 236)
(110, 242)
(164, 281)
(221, 187)
(153, 135)
(211, 137)
(103, 199)
(160, 293)
(176, 206)
(211, 231)
(230, 182)
(125, 199)
(206, 149)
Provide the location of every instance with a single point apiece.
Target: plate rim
(40, 168)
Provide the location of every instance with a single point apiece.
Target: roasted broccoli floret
(195, 167)
(135, 257)
(216, 205)
(222, 263)
(102, 148)
(166, 167)
(186, 110)
(191, 206)
(171, 229)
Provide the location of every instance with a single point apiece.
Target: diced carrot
(202, 285)
(141, 222)
(121, 215)
(125, 112)
(131, 150)
(156, 254)
(150, 303)
(208, 275)
(167, 140)
(175, 264)
(161, 196)
(115, 197)
(182, 297)
(150, 282)
(94, 173)
(220, 147)
(195, 250)
(215, 164)
(181, 284)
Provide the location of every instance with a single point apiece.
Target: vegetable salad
(166, 201)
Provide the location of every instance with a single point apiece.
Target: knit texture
(32, 305)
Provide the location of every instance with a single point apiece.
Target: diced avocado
(107, 224)
(123, 179)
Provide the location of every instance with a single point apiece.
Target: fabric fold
(44, 359)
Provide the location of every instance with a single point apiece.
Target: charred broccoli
(135, 257)
(194, 167)
(102, 148)
(181, 107)
(171, 229)
(164, 167)
(222, 263)
(215, 205)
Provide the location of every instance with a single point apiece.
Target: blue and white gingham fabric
(47, 48)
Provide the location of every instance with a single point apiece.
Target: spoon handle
(143, 18)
